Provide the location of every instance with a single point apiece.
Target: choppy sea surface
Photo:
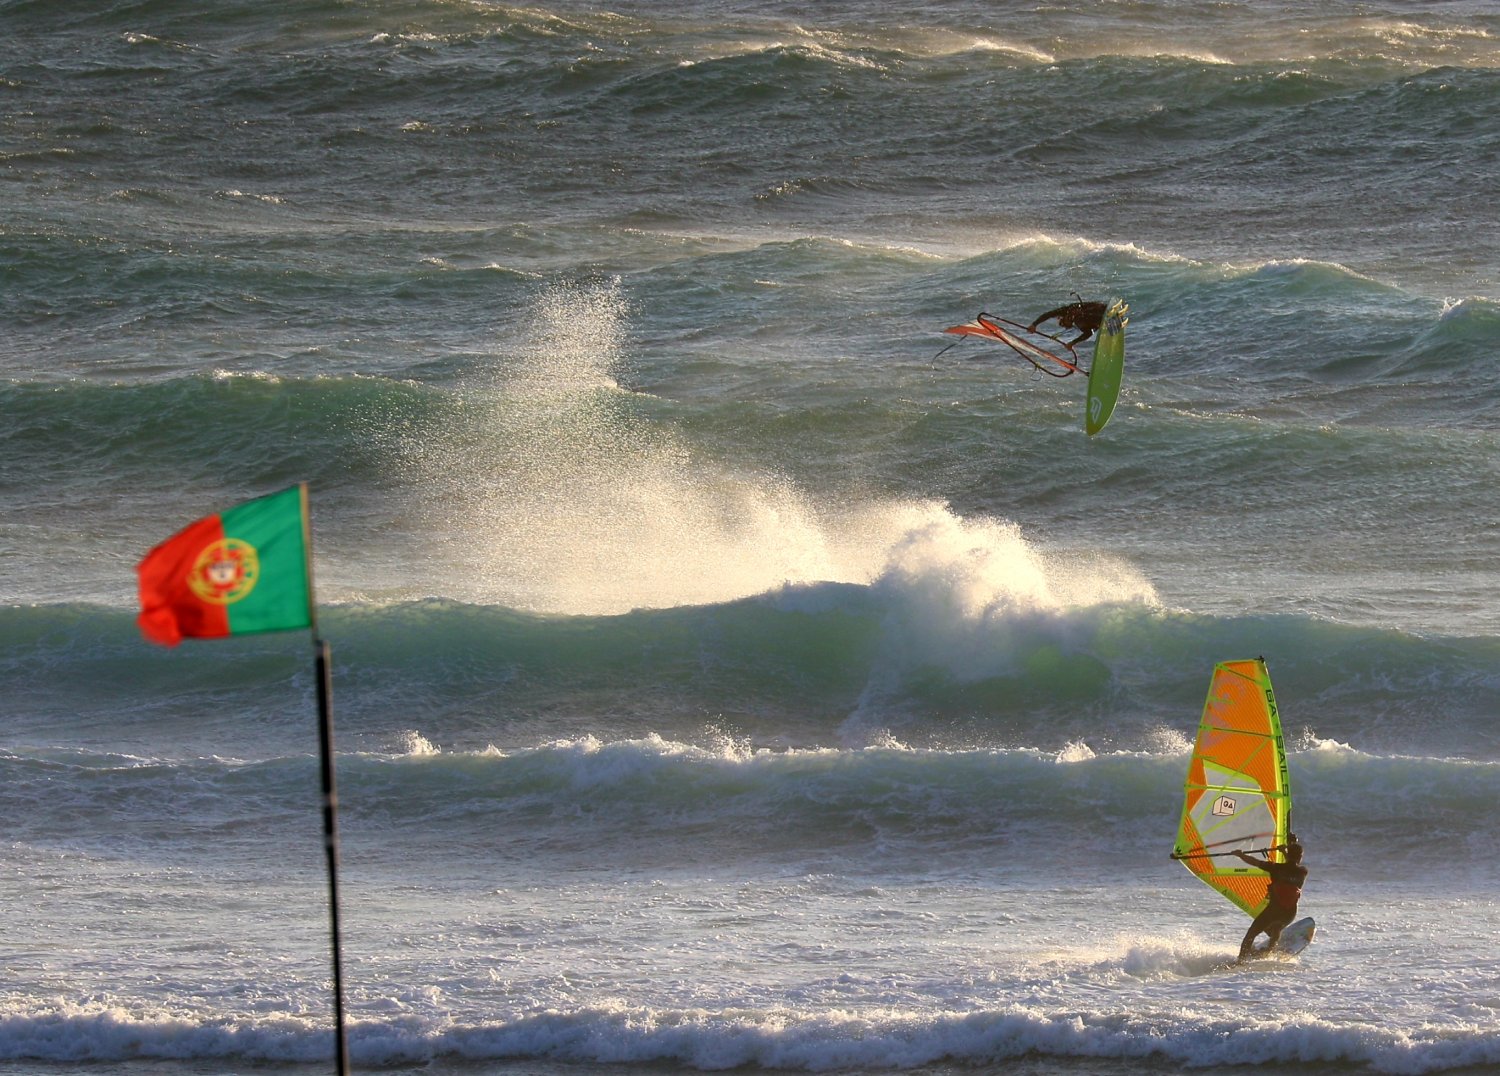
(722, 678)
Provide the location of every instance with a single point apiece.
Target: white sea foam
(878, 1038)
(1076, 751)
(412, 742)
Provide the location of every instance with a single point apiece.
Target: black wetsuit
(1285, 891)
(1086, 317)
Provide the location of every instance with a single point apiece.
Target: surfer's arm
(1049, 315)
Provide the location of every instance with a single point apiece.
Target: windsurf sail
(1046, 352)
(1237, 797)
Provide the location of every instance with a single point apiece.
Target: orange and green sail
(238, 572)
(1237, 796)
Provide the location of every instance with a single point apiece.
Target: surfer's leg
(1268, 921)
(1274, 927)
(1247, 947)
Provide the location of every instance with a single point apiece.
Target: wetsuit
(1285, 891)
(1086, 317)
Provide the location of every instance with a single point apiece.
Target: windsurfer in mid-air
(1080, 315)
(1285, 891)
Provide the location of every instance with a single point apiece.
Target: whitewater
(723, 678)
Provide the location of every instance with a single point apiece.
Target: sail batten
(1237, 796)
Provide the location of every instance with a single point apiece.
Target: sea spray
(973, 603)
(545, 461)
(549, 492)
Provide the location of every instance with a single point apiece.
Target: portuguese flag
(242, 571)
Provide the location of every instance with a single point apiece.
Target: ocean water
(722, 678)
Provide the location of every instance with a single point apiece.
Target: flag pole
(186, 583)
(324, 672)
(331, 842)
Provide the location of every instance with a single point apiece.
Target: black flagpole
(331, 842)
(324, 673)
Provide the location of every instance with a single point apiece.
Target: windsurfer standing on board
(1085, 317)
(1285, 891)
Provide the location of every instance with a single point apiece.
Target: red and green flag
(241, 571)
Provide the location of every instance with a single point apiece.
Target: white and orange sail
(1048, 353)
(1237, 797)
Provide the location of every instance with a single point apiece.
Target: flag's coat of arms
(225, 571)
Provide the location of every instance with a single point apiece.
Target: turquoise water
(722, 677)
